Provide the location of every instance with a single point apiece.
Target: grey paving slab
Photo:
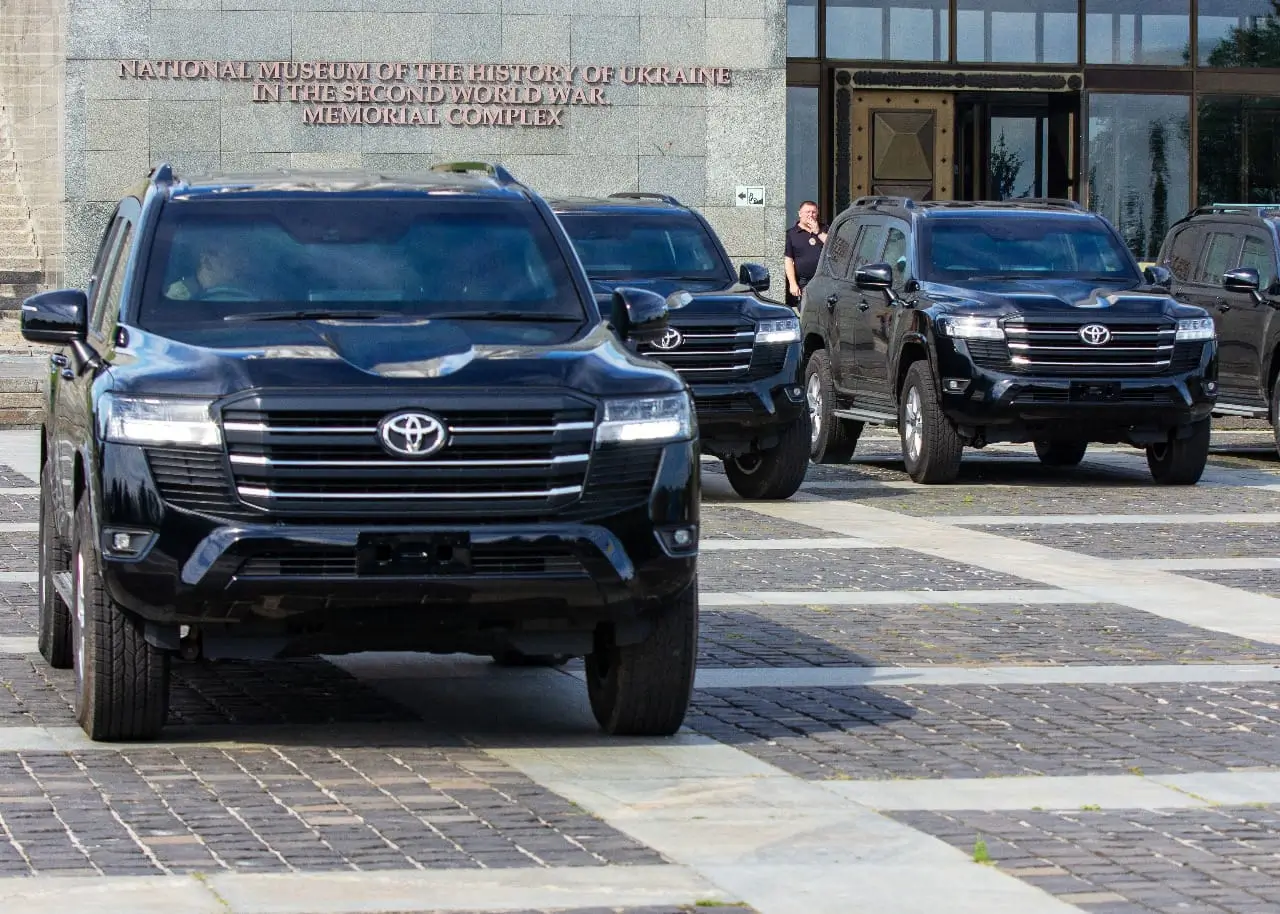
(16, 508)
(1113, 520)
(13, 479)
(599, 890)
(1224, 860)
(783, 545)
(923, 596)
(18, 552)
(844, 677)
(960, 633)
(1263, 581)
(829, 569)
(975, 732)
(20, 450)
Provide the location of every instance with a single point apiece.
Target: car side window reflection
(839, 249)
(895, 255)
(1219, 256)
(1257, 254)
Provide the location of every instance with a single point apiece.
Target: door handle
(59, 360)
(1223, 306)
(863, 306)
(831, 301)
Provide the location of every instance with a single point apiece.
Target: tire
(644, 689)
(832, 439)
(776, 473)
(55, 556)
(931, 446)
(1061, 453)
(122, 687)
(513, 658)
(1181, 461)
(1275, 412)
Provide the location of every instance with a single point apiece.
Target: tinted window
(868, 246)
(1184, 252)
(641, 245)
(1219, 256)
(405, 257)
(102, 262)
(1257, 254)
(839, 248)
(1043, 247)
(108, 306)
(895, 255)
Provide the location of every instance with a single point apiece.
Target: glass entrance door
(1011, 146)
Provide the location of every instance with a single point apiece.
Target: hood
(1049, 297)
(386, 354)
(665, 287)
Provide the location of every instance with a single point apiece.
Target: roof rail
(642, 195)
(905, 202)
(1060, 202)
(162, 174)
(1259, 209)
(497, 172)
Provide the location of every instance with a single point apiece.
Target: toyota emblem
(669, 340)
(1095, 334)
(412, 434)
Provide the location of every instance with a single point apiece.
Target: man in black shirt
(804, 246)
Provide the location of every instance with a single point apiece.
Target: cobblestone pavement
(310, 769)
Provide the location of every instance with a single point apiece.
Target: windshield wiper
(529, 316)
(311, 315)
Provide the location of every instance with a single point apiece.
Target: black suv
(739, 352)
(970, 323)
(301, 414)
(1223, 259)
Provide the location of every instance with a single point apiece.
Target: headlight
(1197, 328)
(972, 328)
(786, 330)
(666, 418)
(157, 421)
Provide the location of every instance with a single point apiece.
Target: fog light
(955, 385)
(682, 540)
(795, 394)
(126, 544)
(1211, 387)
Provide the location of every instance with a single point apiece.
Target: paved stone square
(1034, 691)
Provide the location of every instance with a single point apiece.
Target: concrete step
(19, 264)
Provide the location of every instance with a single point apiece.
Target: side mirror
(1158, 276)
(874, 277)
(1242, 279)
(754, 276)
(58, 318)
(638, 314)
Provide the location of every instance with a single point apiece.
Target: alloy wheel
(813, 392)
(79, 653)
(913, 424)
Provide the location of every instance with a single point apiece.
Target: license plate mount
(413, 554)
(1094, 391)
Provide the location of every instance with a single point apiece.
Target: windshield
(1040, 247)
(644, 246)
(229, 259)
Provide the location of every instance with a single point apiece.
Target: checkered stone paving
(854, 569)
(19, 508)
(989, 731)
(146, 811)
(961, 635)
(12, 479)
(1263, 581)
(729, 521)
(18, 609)
(1036, 500)
(18, 552)
(1129, 861)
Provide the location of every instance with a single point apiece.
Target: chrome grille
(1055, 347)
(321, 457)
(709, 352)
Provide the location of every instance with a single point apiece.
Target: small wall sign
(749, 195)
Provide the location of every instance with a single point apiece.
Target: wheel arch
(914, 348)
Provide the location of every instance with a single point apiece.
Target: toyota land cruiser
(739, 352)
(965, 324)
(299, 414)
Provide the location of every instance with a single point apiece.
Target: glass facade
(803, 160)
(1140, 109)
(888, 29)
(1150, 32)
(1139, 161)
(1238, 33)
(1017, 31)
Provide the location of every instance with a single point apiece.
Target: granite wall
(697, 142)
(33, 95)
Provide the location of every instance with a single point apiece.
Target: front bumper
(737, 414)
(257, 576)
(1006, 406)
